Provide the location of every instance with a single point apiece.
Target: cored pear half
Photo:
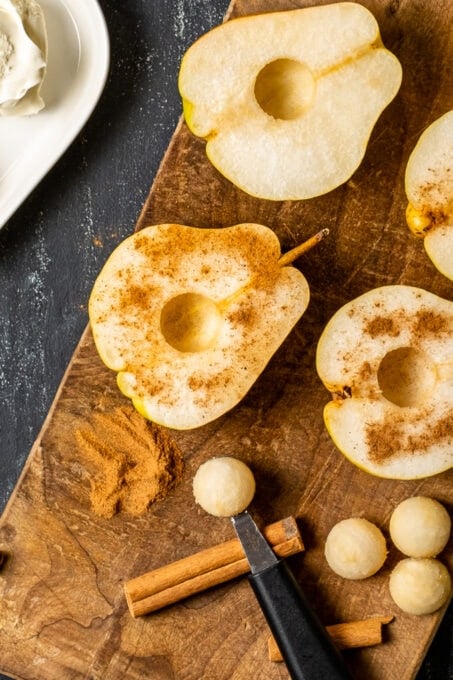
(287, 100)
(190, 317)
(387, 359)
(429, 189)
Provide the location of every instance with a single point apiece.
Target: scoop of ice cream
(23, 53)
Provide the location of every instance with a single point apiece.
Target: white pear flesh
(429, 189)
(387, 359)
(224, 486)
(355, 548)
(420, 526)
(189, 317)
(287, 100)
(439, 248)
(420, 586)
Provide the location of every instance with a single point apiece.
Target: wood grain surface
(63, 612)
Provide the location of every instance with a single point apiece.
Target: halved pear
(287, 100)
(190, 317)
(387, 359)
(429, 189)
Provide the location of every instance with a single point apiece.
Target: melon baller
(305, 645)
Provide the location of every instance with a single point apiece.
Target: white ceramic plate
(78, 61)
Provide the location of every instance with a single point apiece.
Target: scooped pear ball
(420, 527)
(355, 548)
(420, 586)
(224, 486)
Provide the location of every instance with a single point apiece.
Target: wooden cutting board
(63, 613)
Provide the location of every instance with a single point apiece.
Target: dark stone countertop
(54, 245)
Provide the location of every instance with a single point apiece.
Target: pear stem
(294, 253)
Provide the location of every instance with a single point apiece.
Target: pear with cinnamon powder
(190, 317)
(387, 359)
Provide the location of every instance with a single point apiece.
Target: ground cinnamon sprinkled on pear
(389, 438)
(382, 325)
(133, 462)
(366, 370)
(421, 323)
(430, 322)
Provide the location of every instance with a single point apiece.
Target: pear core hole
(284, 88)
(190, 322)
(406, 376)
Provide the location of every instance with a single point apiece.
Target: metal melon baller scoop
(224, 487)
(305, 645)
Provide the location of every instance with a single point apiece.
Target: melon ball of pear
(420, 527)
(355, 548)
(224, 486)
(420, 585)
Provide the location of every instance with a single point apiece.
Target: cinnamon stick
(364, 633)
(193, 574)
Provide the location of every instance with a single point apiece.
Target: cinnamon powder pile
(133, 462)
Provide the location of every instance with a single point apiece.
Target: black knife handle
(304, 643)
